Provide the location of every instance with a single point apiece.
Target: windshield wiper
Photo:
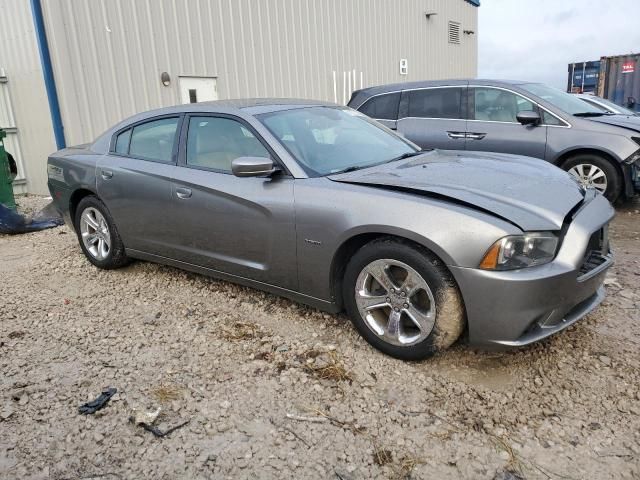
(347, 170)
(590, 114)
(405, 155)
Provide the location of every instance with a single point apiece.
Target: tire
(99, 241)
(435, 304)
(585, 166)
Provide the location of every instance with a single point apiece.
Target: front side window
(326, 140)
(495, 105)
(154, 140)
(436, 103)
(215, 142)
(382, 107)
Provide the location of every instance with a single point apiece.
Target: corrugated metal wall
(24, 104)
(108, 54)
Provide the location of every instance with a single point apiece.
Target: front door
(240, 226)
(493, 126)
(198, 89)
(434, 117)
(134, 182)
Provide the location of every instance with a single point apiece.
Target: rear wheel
(98, 235)
(402, 299)
(593, 171)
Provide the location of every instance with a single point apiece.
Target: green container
(7, 174)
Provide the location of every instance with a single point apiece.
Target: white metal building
(71, 68)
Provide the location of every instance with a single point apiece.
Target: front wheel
(593, 171)
(402, 299)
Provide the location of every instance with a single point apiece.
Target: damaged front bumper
(519, 307)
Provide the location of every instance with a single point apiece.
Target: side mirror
(252, 167)
(528, 117)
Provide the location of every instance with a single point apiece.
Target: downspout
(47, 70)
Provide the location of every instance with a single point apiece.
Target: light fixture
(429, 15)
(165, 79)
(469, 32)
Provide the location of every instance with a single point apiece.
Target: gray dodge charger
(320, 204)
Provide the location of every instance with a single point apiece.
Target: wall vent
(454, 32)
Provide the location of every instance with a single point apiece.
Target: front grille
(597, 251)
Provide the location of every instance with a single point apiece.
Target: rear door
(434, 117)
(493, 126)
(240, 226)
(383, 108)
(134, 182)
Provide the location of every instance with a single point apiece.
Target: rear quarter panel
(68, 171)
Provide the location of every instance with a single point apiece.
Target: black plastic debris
(146, 420)
(12, 222)
(159, 433)
(94, 405)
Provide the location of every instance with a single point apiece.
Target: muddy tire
(402, 299)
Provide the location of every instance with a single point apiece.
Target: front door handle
(182, 192)
(476, 136)
(456, 135)
(106, 174)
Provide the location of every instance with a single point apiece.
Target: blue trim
(47, 71)
(474, 2)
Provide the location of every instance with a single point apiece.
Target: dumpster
(8, 172)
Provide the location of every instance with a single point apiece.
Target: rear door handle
(456, 135)
(476, 136)
(106, 174)
(182, 192)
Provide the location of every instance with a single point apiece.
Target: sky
(536, 39)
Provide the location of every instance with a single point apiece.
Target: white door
(197, 89)
(12, 140)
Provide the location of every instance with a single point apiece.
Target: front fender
(328, 214)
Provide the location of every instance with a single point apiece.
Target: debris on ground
(12, 222)
(99, 403)
(146, 420)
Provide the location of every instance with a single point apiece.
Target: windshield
(562, 100)
(326, 140)
(609, 106)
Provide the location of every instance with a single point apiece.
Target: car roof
(360, 96)
(246, 106)
(251, 106)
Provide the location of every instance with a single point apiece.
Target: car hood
(529, 193)
(625, 121)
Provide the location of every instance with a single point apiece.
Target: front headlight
(520, 251)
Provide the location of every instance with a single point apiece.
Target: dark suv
(512, 117)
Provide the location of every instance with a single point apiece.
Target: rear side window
(154, 140)
(122, 142)
(436, 103)
(382, 107)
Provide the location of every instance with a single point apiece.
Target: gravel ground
(272, 389)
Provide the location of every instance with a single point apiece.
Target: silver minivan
(514, 117)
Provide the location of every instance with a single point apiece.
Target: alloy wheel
(95, 233)
(395, 302)
(590, 176)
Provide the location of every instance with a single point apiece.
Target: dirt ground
(272, 389)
